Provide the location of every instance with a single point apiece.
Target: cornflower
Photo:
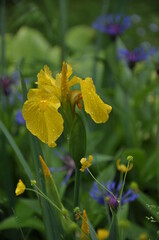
(19, 118)
(40, 110)
(6, 85)
(112, 24)
(136, 55)
(102, 196)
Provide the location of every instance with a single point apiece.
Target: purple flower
(112, 24)
(8, 87)
(136, 55)
(69, 165)
(19, 118)
(5, 85)
(102, 196)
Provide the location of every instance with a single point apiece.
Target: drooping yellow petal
(84, 227)
(93, 104)
(20, 188)
(47, 82)
(123, 168)
(41, 116)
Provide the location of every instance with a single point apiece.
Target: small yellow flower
(84, 227)
(102, 234)
(143, 236)
(123, 168)
(40, 110)
(20, 188)
(85, 163)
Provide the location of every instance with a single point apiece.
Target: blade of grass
(17, 150)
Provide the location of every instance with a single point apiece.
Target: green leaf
(92, 231)
(149, 204)
(114, 233)
(79, 37)
(15, 222)
(17, 150)
(77, 143)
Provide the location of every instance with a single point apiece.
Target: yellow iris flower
(40, 110)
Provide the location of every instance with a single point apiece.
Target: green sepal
(77, 141)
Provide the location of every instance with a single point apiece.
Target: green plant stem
(77, 187)
(63, 8)
(126, 119)
(105, 6)
(122, 188)
(101, 184)
(3, 36)
(39, 192)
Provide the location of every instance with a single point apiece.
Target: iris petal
(42, 118)
(47, 82)
(93, 104)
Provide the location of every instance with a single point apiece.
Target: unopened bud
(33, 182)
(130, 158)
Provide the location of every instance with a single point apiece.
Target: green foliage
(45, 33)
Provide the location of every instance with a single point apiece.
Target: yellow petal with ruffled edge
(93, 104)
(41, 116)
(47, 82)
(68, 74)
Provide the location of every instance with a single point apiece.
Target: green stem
(122, 188)
(63, 8)
(3, 35)
(126, 120)
(101, 184)
(105, 6)
(77, 187)
(39, 192)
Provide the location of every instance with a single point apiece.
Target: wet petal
(47, 82)
(42, 118)
(93, 104)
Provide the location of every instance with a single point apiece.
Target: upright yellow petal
(64, 83)
(46, 170)
(84, 227)
(93, 104)
(41, 116)
(47, 82)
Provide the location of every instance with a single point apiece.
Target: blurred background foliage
(46, 32)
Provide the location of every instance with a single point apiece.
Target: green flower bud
(130, 158)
